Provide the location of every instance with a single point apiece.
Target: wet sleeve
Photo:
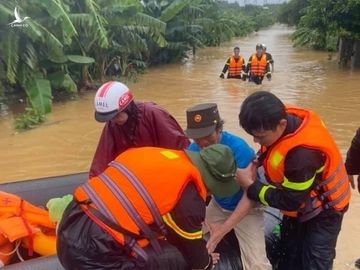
(105, 151)
(184, 225)
(226, 66)
(166, 131)
(248, 65)
(302, 166)
(353, 155)
(270, 58)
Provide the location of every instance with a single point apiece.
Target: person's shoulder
(151, 107)
(304, 154)
(233, 141)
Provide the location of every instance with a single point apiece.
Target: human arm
(302, 167)
(184, 226)
(105, 151)
(243, 155)
(243, 65)
(352, 163)
(270, 61)
(219, 230)
(225, 68)
(248, 67)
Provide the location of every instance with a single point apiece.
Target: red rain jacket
(153, 126)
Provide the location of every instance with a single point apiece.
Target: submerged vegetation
(66, 45)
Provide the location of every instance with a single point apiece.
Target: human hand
(268, 76)
(245, 177)
(244, 76)
(222, 76)
(217, 232)
(352, 182)
(215, 258)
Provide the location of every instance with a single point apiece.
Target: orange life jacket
(258, 67)
(333, 191)
(163, 173)
(235, 67)
(22, 220)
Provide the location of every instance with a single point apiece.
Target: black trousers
(309, 245)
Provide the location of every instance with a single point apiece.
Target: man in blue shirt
(205, 127)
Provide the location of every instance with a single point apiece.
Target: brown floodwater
(66, 142)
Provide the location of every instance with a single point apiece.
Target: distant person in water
(234, 66)
(131, 124)
(258, 66)
(269, 58)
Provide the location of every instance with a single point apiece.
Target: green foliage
(66, 44)
(29, 119)
(291, 12)
(320, 23)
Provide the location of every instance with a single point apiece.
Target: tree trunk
(356, 57)
(345, 51)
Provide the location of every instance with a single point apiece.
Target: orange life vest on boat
(20, 220)
(116, 193)
(235, 66)
(333, 191)
(258, 66)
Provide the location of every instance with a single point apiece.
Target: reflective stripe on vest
(235, 67)
(258, 67)
(332, 191)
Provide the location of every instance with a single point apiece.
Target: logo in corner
(18, 22)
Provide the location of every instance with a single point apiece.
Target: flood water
(66, 142)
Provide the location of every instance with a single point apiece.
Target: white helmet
(111, 98)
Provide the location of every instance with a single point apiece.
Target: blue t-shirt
(243, 154)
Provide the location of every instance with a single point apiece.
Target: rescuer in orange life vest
(258, 66)
(307, 179)
(235, 66)
(119, 219)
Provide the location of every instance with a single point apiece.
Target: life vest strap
(326, 194)
(143, 193)
(29, 230)
(130, 237)
(132, 212)
(98, 203)
(338, 199)
(331, 177)
(311, 210)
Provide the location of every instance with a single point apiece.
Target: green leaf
(80, 59)
(69, 85)
(56, 11)
(174, 9)
(11, 56)
(39, 94)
